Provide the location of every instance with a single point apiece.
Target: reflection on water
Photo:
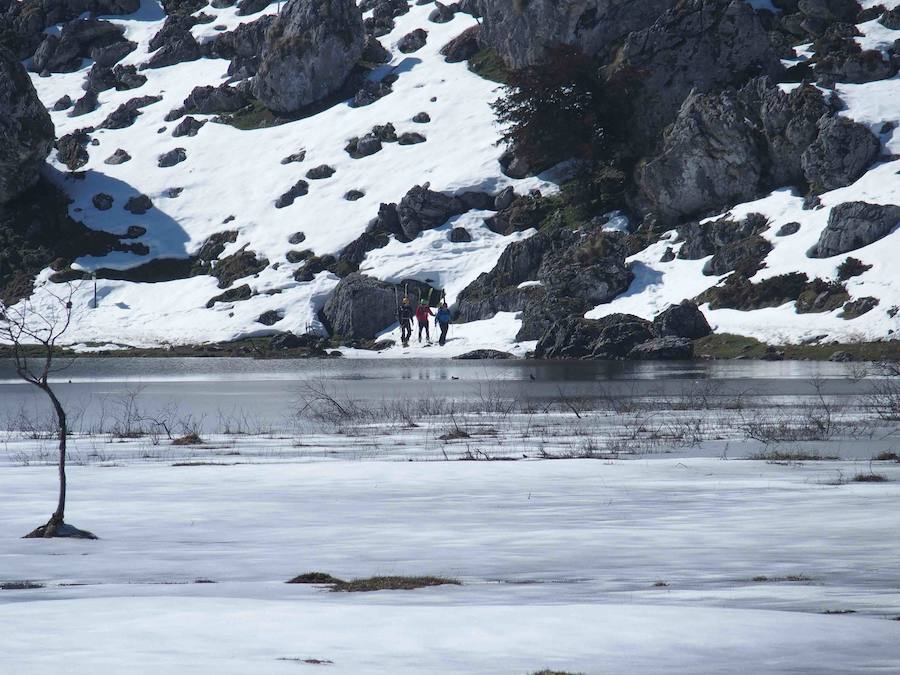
(268, 391)
(242, 370)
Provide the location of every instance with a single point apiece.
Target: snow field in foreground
(561, 562)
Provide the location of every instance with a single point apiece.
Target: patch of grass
(454, 435)
(794, 578)
(315, 578)
(660, 584)
(391, 584)
(886, 457)
(309, 662)
(729, 346)
(839, 611)
(554, 672)
(869, 478)
(201, 463)
(490, 66)
(792, 456)
(253, 116)
(19, 586)
(188, 439)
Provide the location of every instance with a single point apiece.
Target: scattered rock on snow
(459, 235)
(413, 41)
(298, 189)
(189, 126)
(118, 157)
(410, 138)
(172, 157)
(102, 201)
(857, 308)
(138, 205)
(320, 172)
(231, 295)
(853, 225)
(788, 229)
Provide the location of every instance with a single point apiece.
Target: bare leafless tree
(32, 333)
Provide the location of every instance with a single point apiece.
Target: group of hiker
(422, 314)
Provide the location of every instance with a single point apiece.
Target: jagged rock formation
(26, 132)
(308, 52)
(734, 146)
(520, 32)
(699, 46)
(570, 272)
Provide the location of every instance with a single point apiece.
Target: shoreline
(717, 347)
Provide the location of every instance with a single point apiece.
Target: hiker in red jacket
(423, 312)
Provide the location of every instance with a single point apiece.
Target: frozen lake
(268, 390)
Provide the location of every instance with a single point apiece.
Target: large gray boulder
(26, 131)
(684, 320)
(611, 337)
(840, 154)
(699, 45)
(360, 307)
(424, 209)
(308, 53)
(853, 225)
(521, 31)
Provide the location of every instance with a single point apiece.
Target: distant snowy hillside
(222, 181)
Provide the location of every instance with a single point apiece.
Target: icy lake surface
(269, 389)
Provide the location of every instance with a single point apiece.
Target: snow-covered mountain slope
(237, 174)
(231, 179)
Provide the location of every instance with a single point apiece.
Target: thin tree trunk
(59, 515)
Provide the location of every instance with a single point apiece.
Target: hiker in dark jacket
(423, 312)
(442, 321)
(405, 317)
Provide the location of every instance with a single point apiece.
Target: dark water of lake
(269, 390)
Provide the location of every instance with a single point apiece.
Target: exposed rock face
(699, 45)
(520, 32)
(483, 354)
(840, 154)
(424, 209)
(463, 46)
(663, 349)
(611, 337)
(361, 307)
(574, 271)
(77, 39)
(853, 225)
(26, 132)
(709, 158)
(684, 320)
(308, 53)
(242, 46)
(733, 146)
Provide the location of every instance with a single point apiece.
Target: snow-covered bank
(226, 636)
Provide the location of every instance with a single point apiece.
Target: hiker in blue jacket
(442, 321)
